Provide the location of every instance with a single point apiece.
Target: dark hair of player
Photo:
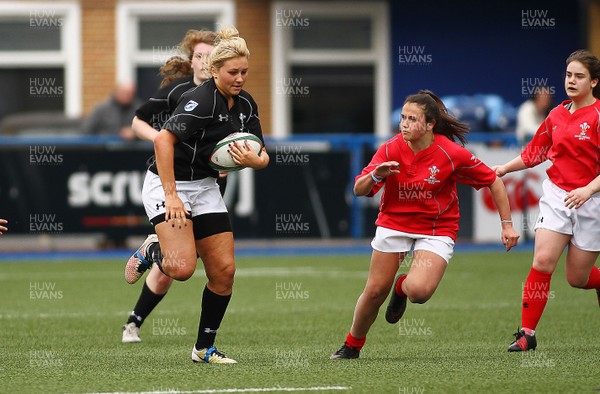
(590, 62)
(436, 111)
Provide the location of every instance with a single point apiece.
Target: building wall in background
(468, 47)
(475, 47)
(98, 51)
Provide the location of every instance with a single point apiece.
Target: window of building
(331, 68)
(153, 31)
(40, 58)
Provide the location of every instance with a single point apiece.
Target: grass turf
(61, 331)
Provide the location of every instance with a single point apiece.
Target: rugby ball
(220, 158)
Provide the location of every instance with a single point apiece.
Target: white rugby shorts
(199, 197)
(582, 223)
(393, 241)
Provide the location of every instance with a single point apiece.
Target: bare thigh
(178, 249)
(424, 276)
(549, 245)
(579, 265)
(216, 252)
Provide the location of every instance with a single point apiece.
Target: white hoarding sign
(524, 190)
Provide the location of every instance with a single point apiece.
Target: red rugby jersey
(422, 198)
(571, 142)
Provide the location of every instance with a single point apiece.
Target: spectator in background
(532, 113)
(3, 228)
(113, 115)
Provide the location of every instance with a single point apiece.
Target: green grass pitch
(61, 331)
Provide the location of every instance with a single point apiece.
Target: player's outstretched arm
(3, 228)
(143, 130)
(164, 152)
(515, 164)
(510, 237)
(365, 183)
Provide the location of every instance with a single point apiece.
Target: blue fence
(34, 192)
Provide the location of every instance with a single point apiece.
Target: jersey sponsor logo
(433, 171)
(190, 105)
(223, 118)
(583, 128)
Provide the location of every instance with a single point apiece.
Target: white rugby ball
(220, 158)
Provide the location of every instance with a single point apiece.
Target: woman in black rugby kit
(180, 193)
(179, 76)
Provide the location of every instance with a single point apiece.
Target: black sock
(154, 255)
(145, 304)
(213, 310)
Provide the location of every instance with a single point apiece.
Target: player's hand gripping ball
(220, 158)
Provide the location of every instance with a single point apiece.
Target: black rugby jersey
(200, 121)
(161, 105)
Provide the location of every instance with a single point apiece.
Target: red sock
(535, 297)
(399, 286)
(355, 343)
(594, 280)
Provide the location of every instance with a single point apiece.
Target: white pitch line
(247, 390)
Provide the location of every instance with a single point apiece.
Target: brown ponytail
(435, 110)
(176, 67)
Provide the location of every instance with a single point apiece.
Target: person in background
(113, 115)
(532, 113)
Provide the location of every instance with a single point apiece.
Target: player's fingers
(513, 242)
(180, 218)
(572, 203)
(237, 147)
(508, 244)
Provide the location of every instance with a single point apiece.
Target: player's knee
(226, 278)
(228, 272)
(223, 277)
(180, 269)
(577, 281)
(419, 296)
(544, 262)
(376, 293)
(181, 274)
